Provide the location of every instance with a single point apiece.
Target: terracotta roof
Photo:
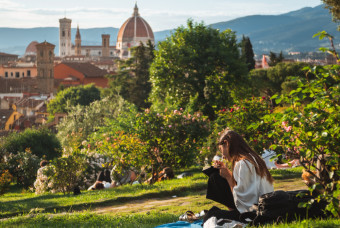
(7, 55)
(28, 102)
(4, 115)
(89, 70)
(20, 85)
(135, 26)
(31, 48)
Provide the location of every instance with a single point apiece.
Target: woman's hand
(225, 173)
(219, 164)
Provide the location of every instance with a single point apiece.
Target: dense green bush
(23, 167)
(72, 96)
(68, 172)
(41, 142)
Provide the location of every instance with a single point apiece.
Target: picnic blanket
(196, 224)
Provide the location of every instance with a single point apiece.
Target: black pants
(219, 191)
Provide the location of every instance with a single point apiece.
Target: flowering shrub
(23, 166)
(240, 118)
(44, 182)
(311, 129)
(5, 181)
(172, 137)
(155, 140)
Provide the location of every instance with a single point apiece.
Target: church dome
(133, 31)
(31, 48)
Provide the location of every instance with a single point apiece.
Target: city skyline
(160, 15)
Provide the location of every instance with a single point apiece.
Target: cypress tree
(247, 52)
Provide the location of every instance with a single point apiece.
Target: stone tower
(45, 67)
(77, 48)
(105, 45)
(65, 37)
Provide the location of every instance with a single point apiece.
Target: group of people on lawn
(237, 188)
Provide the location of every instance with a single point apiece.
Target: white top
(249, 185)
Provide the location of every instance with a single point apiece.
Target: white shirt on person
(249, 185)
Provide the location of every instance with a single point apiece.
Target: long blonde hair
(238, 149)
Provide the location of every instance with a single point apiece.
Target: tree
(334, 8)
(197, 65)
(275, 80)
(132, 80)
(247, 52)
(85, 120)
(72, 96)
(274, 59)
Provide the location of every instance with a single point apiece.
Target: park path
(144, 205)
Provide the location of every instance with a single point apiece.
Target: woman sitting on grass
(240, 188)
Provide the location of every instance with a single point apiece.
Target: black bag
(283, 206)
(209, 170)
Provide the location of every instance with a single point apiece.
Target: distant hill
(291, 31)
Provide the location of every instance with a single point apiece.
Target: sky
(160, 14)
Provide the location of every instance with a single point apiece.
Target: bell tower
(65, 37)
(105, 45)
(77, 48)
(45, 67)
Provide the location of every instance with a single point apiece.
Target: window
(63, 33)
(99, 53)
(6, 74)
(11, 74)
(17, 74)
(23, 74)
(28, 73)
(41, 53)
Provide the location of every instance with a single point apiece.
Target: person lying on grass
(104, 179)
(239, 188)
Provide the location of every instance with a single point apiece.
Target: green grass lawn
(128, 206)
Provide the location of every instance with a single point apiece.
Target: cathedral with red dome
(133, 31)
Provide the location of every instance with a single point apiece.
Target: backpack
(283, 206)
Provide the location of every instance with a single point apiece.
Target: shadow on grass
(8, 209)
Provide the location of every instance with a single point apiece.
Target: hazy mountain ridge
(291, 31)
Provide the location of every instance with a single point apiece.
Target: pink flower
(170, 126)
(89, 145)
(224, 110)
(231, 110)
(263, 98)
(289, 128)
